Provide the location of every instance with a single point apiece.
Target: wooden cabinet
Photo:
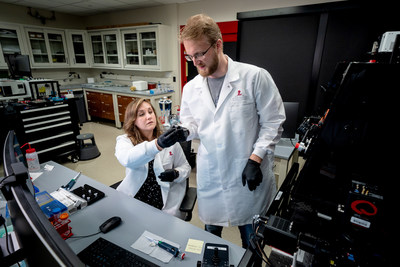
(93, 104)
(112, 105)
(107, 107)
(123, 102)
(100, 105)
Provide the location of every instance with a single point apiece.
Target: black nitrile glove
(182, 133)
(169, 175)
(168, 138)
(252, 174)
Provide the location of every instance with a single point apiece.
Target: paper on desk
(35, 175)
(148, 247)
(194, 246)
(48, 167)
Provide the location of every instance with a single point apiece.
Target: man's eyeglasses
(197, 56)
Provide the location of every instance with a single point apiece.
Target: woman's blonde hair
(198, 26)
(130, 118)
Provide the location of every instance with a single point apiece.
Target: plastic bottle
(174, 119)
(32, 159)
(178, 114)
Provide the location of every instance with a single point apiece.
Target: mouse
(110, 224)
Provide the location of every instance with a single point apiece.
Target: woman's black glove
(169, 175)
(168, 138)
(252, 174)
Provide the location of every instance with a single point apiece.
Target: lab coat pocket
(241, 104)
(243, 116)
(237, 170)
(203, 173)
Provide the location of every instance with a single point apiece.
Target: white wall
(226, 10)
(19, 14)
(173, 15)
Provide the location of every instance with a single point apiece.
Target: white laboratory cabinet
(11, 42)
(47, 47)
(78, 48)
(146, 47)
(105, 48)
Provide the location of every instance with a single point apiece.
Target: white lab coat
(135, 159)
(248, 119)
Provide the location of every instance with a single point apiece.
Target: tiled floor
(107, 170)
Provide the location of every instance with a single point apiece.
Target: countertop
(112, 89)
(285, 148)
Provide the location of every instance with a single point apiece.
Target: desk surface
(136, 218)
(285, 148)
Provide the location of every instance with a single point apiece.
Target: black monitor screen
(290, 125)
(18, 66)
(40, 244)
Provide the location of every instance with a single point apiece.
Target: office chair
(190, 198)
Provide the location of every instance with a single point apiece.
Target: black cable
(83, 236)
(3, 178)
(3, 222)
(5, 229)
(257, 238)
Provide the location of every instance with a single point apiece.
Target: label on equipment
(278, 196)
(360, 222)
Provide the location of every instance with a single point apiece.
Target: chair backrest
(190, 198)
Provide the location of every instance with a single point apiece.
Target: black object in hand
(182, 133)
(252, 174)
(168, 138)
(169, 175)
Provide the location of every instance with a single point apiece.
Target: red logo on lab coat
(239, 92)
(170, 153)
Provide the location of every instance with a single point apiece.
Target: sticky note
(194, 246)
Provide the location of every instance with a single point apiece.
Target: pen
(72, 182)
(167, 247)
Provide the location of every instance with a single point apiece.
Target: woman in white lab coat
(153, 175)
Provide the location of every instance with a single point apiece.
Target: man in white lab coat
(236, 111)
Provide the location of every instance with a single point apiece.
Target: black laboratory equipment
(337, 208)
(18, 66)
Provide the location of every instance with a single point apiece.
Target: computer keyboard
(105, 253)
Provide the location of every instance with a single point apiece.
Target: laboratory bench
(136, 218)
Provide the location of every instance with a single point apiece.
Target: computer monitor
(18, 66)
(290, 125)
(40, 243)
